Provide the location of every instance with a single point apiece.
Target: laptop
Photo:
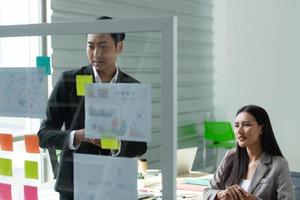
(185, 160)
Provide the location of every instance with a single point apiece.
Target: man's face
(102, 52)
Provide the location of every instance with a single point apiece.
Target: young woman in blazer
(256, 169)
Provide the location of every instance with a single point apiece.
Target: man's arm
(133, 149)
(50, 134)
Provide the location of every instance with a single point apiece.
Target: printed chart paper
(104, 177)
(120, 111)
(23, 92)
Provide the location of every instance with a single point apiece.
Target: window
(19, 52)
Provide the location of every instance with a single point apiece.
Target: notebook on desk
(185, 160)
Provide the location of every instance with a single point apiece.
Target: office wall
(256, 51)
(141, 57)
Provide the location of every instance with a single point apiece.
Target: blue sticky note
(44, 62)
(197, 181)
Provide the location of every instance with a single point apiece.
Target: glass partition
(140, 58)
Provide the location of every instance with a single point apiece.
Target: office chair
(220, 135)
(296, 183)
(188, 131)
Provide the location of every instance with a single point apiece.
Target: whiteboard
(23, 92)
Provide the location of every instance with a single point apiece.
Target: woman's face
(247, 131)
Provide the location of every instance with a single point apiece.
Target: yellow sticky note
(81, 82)
(6, 167)
(31, 169)
(109, 143)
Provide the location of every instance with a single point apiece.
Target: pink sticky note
(5, 191)
(30, 193)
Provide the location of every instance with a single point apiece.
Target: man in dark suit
(66, 108)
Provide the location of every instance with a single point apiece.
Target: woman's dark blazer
(65, 108)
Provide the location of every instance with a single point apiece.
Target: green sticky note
(81, 82)
(43, 62)
(31, 169)
(5, 167)
(109, 143)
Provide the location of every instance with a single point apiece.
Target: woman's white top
(245, 183)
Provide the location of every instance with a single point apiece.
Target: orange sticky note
(81, 82)
(32, 143)
(6, 142)
(109, 143)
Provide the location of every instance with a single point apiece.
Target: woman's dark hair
(117, 37)
(237, 164)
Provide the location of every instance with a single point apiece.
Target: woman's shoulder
(280, 161)
(228, 156)
(277, 162)
(230, 152)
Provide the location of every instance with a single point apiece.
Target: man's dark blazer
(64, 107)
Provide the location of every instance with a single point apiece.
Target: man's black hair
(117, 37)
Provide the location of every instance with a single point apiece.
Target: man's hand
(79, 137)
(95, 142)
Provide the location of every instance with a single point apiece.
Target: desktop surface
(189, 186)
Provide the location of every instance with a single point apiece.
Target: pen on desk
(185, 196)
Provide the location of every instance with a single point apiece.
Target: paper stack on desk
(193, 184)
(190, 187)
(151, 185)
